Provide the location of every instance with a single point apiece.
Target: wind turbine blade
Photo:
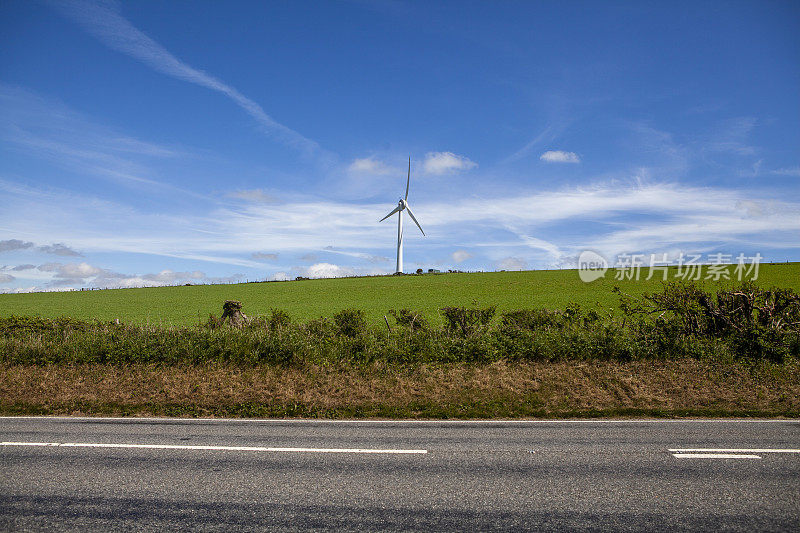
(408, 208)
(408, 181)
(395, 210)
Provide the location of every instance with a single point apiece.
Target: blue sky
(151, 143)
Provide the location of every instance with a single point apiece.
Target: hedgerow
(682, 320)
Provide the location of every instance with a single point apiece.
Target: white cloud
(460, 255)
(328, 270)
(6, 278)
(559, 156)
(371, 166)
(512, 263)
(71, 271)
(73, 275)
(441, 163)
(104, 21)
(612, 217)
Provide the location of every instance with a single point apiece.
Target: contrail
(103, 20)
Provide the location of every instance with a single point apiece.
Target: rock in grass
(232, 310)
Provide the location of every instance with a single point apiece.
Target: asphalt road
(304, 475)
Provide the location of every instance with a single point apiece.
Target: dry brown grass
(502, 389)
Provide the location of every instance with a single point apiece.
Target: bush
(279, 319)
(410, 319)
(757, 323)
(465, 322)
(350, 322)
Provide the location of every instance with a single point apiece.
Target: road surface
(222, 475)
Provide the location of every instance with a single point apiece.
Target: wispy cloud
(549, 133)
(441, 163)
(512, 263)
(537, 244)
(559, 156)
(358, 255)
(253, 195)
(371, 166)
(264, 255)
(659, 147)
(104, 21)
(789, 171)
(535, 227)
(52, 131)
(732, 136)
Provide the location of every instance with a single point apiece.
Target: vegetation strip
(745, 322)
(678, 352)
(458, 391)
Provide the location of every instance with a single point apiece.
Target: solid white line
(714, 456)
(200, 447)
(402, 421)
(736, 450)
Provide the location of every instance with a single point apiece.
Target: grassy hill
(308, 299)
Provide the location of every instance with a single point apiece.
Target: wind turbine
(402, 205)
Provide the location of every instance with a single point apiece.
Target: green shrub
(464, 322)
(350, 322)
(409, 319)
(756, 323)
(279, 319)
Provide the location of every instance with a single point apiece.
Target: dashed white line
(715, 456)
(735, 450)
(201, 447)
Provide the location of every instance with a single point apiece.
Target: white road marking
(401, 421)
(715, 456)
(735, 450)
(200, 447)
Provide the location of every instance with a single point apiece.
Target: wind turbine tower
(402, 205)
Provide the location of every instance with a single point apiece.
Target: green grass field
(303, 300)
